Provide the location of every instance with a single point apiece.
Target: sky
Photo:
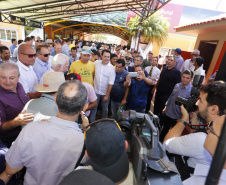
(217, 5)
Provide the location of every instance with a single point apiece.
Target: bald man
(28, 78)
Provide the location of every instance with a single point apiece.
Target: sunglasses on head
(45, 55)
(29, 55)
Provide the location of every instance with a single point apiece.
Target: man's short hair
(27, 39)
(216, 95)
(113, 55)
(68, 39)
(139, 56)
(94, 52)
(105, 146)
(71, 97)
(3, 48)
(188, 72)
(20, 41)
(13, 40)
(39, 48)
(139, 66)
(32, 37)
(156, 58)
(199, 60)
(106, 51)
(9, 66)
(74, 48)
(121, 61)
(59, 58)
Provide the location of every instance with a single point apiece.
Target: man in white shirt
(212, 139)
(65, 48)
(103, 82)
(198, 63)
(28, 78)
(154, 74)
(189, 63)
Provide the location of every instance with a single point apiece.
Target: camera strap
(199, 127)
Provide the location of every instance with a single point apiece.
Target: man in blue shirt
(172, 112)
(139, 88)
(13, 46)
(118, 92)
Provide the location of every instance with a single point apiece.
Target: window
(8, 34)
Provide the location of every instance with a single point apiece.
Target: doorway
(207, 49)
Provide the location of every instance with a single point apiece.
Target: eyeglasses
(210, 129)
(45, 55)
(29, 55)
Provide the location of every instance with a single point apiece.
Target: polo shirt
(104, 76)
(168, 79)
(40, 68)
(172, 110)
(28, 78)
(180, 62)
(48, 149)
(118, 90)
(11, 104)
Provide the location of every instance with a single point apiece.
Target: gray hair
(197, 51)
(9, 66)
(60, 58)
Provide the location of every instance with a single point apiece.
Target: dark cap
(178, 50)
(106, 148)
(135, 51)
(73, 76)
(86, 177)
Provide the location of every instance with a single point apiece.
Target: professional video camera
(189, 103)
(150, 162)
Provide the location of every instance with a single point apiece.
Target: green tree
(153, 29)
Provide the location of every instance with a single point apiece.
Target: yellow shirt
(86, 71)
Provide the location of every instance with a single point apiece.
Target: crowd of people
(48, 87)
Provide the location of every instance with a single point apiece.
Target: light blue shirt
(71, 60)
(180, 62)
(12, 47)
(40, 68)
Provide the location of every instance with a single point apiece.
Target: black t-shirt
(167, 80)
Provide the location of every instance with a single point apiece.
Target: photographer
(172, 111)
(138, 92)
(211, 105)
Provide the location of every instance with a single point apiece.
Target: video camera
(189, 103)
(150, 162)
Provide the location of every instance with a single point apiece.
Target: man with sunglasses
(41, 62)
(189, 63)
(211, 106)
(28, 78)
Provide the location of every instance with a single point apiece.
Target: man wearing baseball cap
(84, 67)
(178, 58)
(106, 148)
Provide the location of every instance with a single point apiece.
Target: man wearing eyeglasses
(189, 63)
(41, 62)
(28, 78)
(211, 106)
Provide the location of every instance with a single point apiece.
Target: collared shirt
(11, 104)
(118, 90)
(104, 76)
(48, 149)
(190, 145)
(10, 61)
(180, 62)
(200, 175)
(66, 49)
(12, 47)
(71, 60)
(154, 74)
(42, 108)
(172, 110)
(27, 78)
(188, 64)
(40, 68)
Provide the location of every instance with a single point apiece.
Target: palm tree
(153, 29)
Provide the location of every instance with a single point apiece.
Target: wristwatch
(184, 122)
